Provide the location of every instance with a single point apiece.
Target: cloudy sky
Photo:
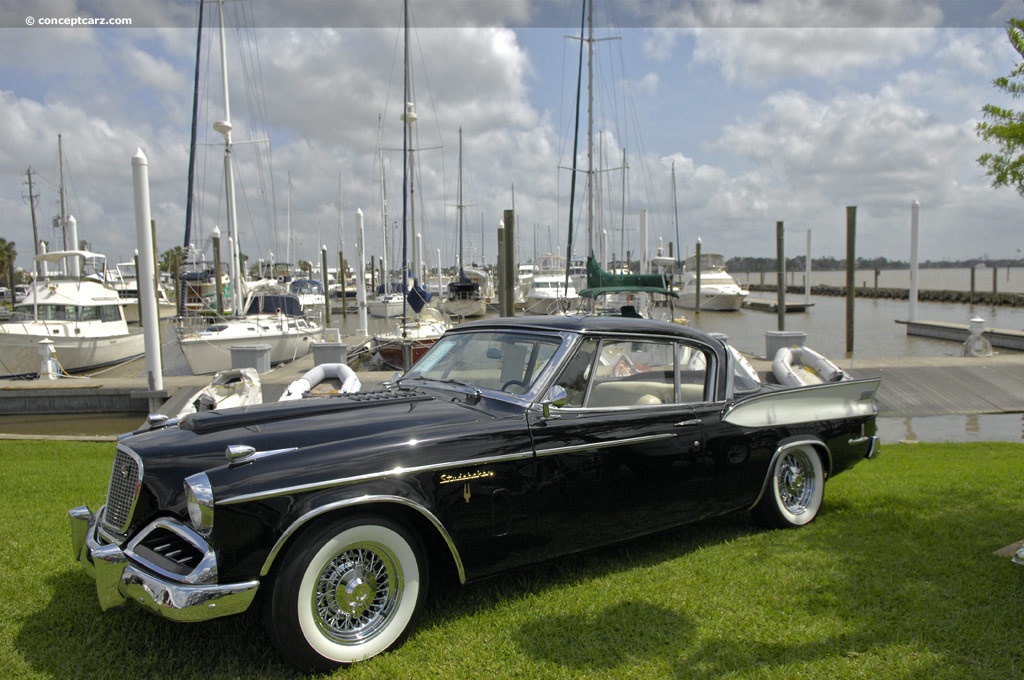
(766, 110)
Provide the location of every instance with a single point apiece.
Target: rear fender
(817, 445)
(814, 403)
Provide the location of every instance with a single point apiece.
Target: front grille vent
(125, 482)
(170, 551)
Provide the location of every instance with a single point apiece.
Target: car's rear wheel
(795, 489)
(347, 592)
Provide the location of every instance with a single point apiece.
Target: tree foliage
(1005, 127)
(7, 256)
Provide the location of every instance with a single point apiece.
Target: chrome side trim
(604, 445)
(355, 502)
(401, 471)
(374, 476)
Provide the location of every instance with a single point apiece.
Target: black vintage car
(511, 441)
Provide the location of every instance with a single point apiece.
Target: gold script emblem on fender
(466, 476)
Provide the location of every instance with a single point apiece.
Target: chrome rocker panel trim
(119, 580)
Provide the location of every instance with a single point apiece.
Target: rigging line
(266, 122)
(248, 52)
(192, 147)
(435, 119)
(575, 148)
(632, 116)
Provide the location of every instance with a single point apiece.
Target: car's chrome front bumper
(118, 580)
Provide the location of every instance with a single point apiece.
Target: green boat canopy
(601, 282)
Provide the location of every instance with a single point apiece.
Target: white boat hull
(19, 351)
(464, 308)
(386, 308)
(209, 350)
(713, 301)
(420, 334)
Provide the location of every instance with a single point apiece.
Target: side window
(577, 373)
(633, 373)
(693, 374)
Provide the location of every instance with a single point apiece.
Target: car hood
(345, 434)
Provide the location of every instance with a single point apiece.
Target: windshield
(496, 360)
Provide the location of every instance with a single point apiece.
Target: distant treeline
(768, 264)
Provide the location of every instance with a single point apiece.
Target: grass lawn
(895, 579)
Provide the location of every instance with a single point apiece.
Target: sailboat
(388, 301)
(617, 290)
(464, 295)
(266, 319)
(412, 337)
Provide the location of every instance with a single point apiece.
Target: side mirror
(557, 396)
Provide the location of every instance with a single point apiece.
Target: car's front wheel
(795, 489)
(346, 592)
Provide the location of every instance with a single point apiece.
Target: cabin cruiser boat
(719, 292)
(76, 311)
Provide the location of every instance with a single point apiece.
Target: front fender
(365, 501)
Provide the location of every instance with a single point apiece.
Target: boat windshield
(66, 313)
(493, 360)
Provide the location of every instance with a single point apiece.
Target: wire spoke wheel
(347, 592)
(357, 592)
(795, 489)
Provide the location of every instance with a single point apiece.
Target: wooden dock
(935, 386)
(1003, 338)
(770, 305)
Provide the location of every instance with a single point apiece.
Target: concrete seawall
(956, 296)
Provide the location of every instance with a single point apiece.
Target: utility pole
(35, 228)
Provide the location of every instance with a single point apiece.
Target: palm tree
(8, 255)
(171, 260)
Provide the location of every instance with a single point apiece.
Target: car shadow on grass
(72, 638)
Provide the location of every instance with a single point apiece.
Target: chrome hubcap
(796, 486)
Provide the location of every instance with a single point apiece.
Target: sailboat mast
(590, 131)
(675, 211)
(408, 117)
(224, 128)
(459, 207)
(189, 194)
(386, 278)
(291, 237)
(63, 193)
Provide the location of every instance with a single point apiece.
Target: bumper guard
(119, 580)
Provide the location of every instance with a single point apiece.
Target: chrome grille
(125, 482)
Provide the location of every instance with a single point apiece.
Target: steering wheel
(508, 384)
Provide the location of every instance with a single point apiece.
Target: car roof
(590, 324)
